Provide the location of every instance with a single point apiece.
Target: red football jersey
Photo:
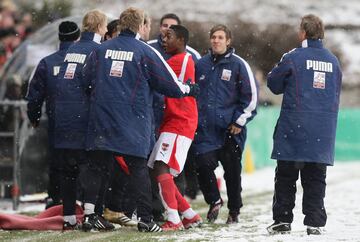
(181, 114)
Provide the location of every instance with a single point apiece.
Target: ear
(228, 41)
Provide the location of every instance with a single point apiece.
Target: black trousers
(120, 196)
(230, 157)
(94, 175)
(191, 180)
(139, 185)
(313, 177)
(55, 178)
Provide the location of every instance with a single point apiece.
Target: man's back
(310, 78)
(120, 116)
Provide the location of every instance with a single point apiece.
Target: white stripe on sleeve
(252, 105)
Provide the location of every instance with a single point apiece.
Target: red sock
(167, 191)
(183, 205)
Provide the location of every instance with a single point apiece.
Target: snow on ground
(342, 199)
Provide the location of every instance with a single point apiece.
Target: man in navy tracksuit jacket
(42, 88)
(123, 72)
(309, 77)
(71, 124)
(227, 102)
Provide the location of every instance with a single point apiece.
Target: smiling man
(227, 102)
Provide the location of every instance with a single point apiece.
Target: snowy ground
(341, 201)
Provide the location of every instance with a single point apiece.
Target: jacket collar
(312, 43)
(64, 45)
(223, 57)
(91, 36)
(129, 33)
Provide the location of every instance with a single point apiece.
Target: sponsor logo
(74, 57)
(319, 66)
(119, 55)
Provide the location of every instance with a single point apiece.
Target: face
(301, 35)
(102, 29)
(145, 30)
(165, 25)
(219, 42)
(171, 43)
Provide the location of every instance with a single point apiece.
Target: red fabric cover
(50, 219)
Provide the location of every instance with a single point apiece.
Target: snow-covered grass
(341, 202)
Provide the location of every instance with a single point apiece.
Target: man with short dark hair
(177, 131)
(166, 22)
(41, 89)
(310, 78)
(227, 103)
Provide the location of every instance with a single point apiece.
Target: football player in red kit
(176, 134)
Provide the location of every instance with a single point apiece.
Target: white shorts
(171, 149)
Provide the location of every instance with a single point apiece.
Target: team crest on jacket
(70, 71)
(226, 75)
(164, 146)
(319, 80)
(117, 68)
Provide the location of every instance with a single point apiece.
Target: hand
(194, 89)
(233, 129)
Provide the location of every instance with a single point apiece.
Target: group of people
(15, 27)
(120, 108)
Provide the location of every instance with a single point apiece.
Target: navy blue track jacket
(72, 100)
(124, 72)
(310, 79)
(228, 95)
(42, 87)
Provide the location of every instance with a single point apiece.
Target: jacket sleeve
(89, 72)
(277, 77)
(162, 78)
(36, 92)
(248, 97)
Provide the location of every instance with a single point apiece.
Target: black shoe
(313, 230)
(213, 212)
(233, 218)
(279, 228)
(68, 227)
(96, 222)
(148, 226)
